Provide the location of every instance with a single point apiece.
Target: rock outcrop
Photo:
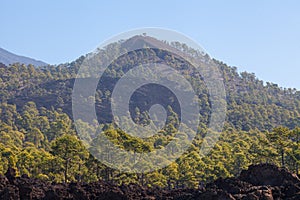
(264, 181)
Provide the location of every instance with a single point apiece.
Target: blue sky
(260, 36)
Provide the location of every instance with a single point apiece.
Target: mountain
(38, 136)
(251, 104)
(8, 58)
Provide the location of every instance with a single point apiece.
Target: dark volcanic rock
(10, 175)
(266, 174)
(265, 182)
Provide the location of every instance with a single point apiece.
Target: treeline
(43, 144)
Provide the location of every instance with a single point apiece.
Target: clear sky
(260, 36)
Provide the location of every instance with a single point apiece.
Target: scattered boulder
(11, 175)
(267, 174)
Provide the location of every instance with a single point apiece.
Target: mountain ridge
(8, 58)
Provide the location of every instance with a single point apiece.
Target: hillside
(38, 137)
(251, 103)
(8, 58)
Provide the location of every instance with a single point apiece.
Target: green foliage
(72, 154)
(47, 148)
(37, 135)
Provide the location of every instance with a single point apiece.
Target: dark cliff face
(254, 183)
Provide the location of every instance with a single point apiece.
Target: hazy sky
(257, 36)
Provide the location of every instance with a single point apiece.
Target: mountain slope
(251, 104)
(36, 112)
(8, 58)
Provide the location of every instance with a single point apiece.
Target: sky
(259, 36)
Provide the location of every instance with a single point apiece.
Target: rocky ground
(263, 181)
